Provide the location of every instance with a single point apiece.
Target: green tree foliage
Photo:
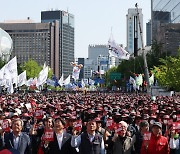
(168, 73)
(50, 73)
(107, 76)
(131, 66)
(32, 68)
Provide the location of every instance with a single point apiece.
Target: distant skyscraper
(66, 37)
(35, 41)
(148, 33)
(131, 29)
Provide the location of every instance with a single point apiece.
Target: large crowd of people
(91, 123)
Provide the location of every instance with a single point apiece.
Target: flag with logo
(117, 51)
(42, 77)
(22, 79)
(61, 80)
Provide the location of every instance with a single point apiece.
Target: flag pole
(143, 51)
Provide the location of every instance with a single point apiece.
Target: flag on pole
(67, 80)
(117, 51)
(139, 80)
(151, 80)
(22, 79)
(133, 82)
(61, 80)
(29, 82)
(10, 71)
(42, 77)
(50, 82)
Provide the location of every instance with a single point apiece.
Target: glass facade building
(66, 38)
(165, 16)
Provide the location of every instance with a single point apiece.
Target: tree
(168, 73)
(32, 68)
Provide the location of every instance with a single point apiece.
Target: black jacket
(66, 148)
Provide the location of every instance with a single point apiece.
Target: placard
(5, 126)
(110, 124)
(147, 136)
(48, 135)
(39, 113)
(78, 125)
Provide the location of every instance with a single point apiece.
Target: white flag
(133, 82)
(29, 82)
(61, 80)
(139, 80)
(117, 51)
(82, 83)
(22, 79)
(67, 80)
(10, 71)
(151, 80)
(50, 82)
(42, 77)
(91, 82)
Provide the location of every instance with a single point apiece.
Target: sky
(95, 20)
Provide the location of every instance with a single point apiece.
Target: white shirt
(59, 139)
(174, 144)
(16, 141)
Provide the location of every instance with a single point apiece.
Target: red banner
(5, 126)
(78, 125)
(147, 136)
(118, 128)
(48, 135)
(176, 125)
(110, 124)
(39, 113)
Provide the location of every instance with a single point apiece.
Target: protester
(174, 142)
(143, 127)
(88, 142)
(61, 141)
(157, 144)
(38, 111)
(17, 139)
(122, 143)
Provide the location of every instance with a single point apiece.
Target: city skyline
(93, 20)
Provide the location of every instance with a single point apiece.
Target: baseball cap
(157, 124)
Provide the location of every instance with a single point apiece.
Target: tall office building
(35, 41)
(133, 30)
(66, 37)
(165, 16)
(148, 33)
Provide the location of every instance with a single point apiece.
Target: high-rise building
(97, 51)
(133, 30)
(35, 41)
(165, 17)
(66, 37)
(148, 33)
